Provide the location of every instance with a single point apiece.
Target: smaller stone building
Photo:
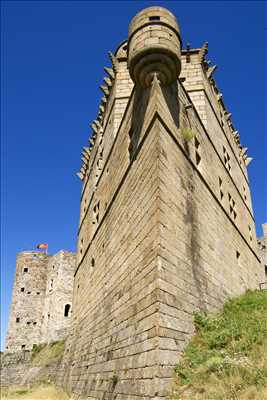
(42, 299)
(262, 243)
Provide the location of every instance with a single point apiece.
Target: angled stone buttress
(166, 223)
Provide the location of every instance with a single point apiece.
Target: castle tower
(166, 223)
(27, 301)
(58, 301)
(42, 299)
(262, 246)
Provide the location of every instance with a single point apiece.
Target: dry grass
(42, 392)
(46, 354)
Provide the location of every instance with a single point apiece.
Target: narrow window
(67, 310)
(28, 323)
(198, 158)
(96, 213)
(23, 346)
(265, 268)
(154, 18)
(226, 159)
(48, 316)
(93, 262)
(232, 207)
(237, 254)
(250, 233)
(38, 293)
(25, 269)
(245, 193)
(197, 151)
(28, 292)
(17, 320)
(35, 323)
(221, 188)
(81, 246)
(22, 289)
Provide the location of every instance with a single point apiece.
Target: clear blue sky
(53, 54)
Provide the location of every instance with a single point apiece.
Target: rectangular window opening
(198, 158)
(196, 143)
(154, 18)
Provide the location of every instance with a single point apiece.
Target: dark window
(265, 267)
(25, 269)
(221, 188)
(93, 262)
(28, 292)
(154, 18)
(23, 346)
(66, 310)
(37, 292)
(17, 319)
(198, 158)
(237, 255)
(28, 323)
(35, 323)
(197, 151)
(22, 289)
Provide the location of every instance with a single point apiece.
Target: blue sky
(52, 60)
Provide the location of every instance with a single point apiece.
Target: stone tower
(166, 223)
(27, 301)
(41, 300)
(262, 245)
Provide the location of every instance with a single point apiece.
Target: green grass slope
(227, 358)
(46, 354)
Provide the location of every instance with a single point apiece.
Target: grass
(45, 354)
(42, 392)
(187, 134)
(227, 358)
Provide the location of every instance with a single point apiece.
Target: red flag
(42, 246)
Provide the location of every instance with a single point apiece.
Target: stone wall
(167, 229)
(58, 302)
(28, 297)
(262, 247)
(41, 300)
(17, 370)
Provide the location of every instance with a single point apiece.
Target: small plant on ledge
(187, 134)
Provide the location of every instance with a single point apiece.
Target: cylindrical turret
(154, 47)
